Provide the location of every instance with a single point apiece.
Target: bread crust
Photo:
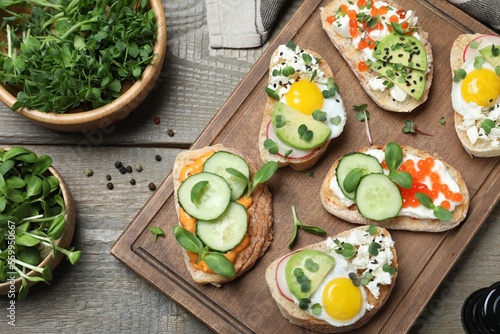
(352, 56)
(298, 164)
(333, 204)
(260, 220)
(301, 318)
(480, 148)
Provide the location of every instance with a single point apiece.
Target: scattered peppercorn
(108, 177)
(170, 132)
(138, 168)
(88, 172)
(122, 170)
(152, 186)
(158, 157)
(132, 182)
(110, 185)
(156, 120)
(118, 164)
(129, 169)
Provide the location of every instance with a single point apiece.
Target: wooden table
(101, 295)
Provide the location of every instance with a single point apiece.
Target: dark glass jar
(481, 311)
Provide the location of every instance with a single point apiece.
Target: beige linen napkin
(241, 23)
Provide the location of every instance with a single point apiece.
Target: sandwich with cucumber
(396, 187)
(224, 210)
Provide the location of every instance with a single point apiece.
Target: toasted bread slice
(479, 148)
(260, 214)
(302, 163)
(353, 57)
(334, 205)
(298, 317)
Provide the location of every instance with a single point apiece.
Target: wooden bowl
(112, 112)
(64, 241)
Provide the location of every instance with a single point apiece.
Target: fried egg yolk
(481, 86)
(304, 96)
(341, 299)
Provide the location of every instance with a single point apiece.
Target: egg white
(342, 268)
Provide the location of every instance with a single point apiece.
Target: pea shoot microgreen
(394, 158)
(331, 88)
(345, 249)
(197, 191)
(272, 93)
(291, 45)
(388, 269)
(307, 58)
(157, 232)
(262, 175)
(459, 74)
(372, 229)
(31, 205)
(297, 225)
(319, 115)
(410, 127)
(363, 116)
(440, 212)
(360, 280)
(288, 70)
(214, 260)
(305, 133)
(68, 54)
(373, 248)
(271, 146)
(487, 125)
(478, 62)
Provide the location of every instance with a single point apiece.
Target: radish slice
(484, 41)
(281, 279)
(296, 154)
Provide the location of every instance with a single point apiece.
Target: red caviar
(330, 19)
(362, 66)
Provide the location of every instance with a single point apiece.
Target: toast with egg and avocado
(384, 46)
(304, 110)
(223, 228)
(336, 285)
(396, 187)
(475, 65)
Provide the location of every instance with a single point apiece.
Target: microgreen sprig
(440, 212)
(157, 232)
(214, 260)
(363, 116)
(394, 158)
(345, 249)
(360, 280)
(297, 225)
(410, 127)
(262, 175)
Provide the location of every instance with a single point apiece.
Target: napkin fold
(248, 23)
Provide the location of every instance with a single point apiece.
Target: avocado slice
(305, 270)
(296, 129)
(406, 50)
(491, 54)
(410, 80)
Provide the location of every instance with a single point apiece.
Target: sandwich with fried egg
(223, 226)
(475, 65)
(336, 285)
(304, 110)
(385, 47)
(396, 187)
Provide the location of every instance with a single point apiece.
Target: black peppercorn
(118, 164)
(129, 169)
(170, 132)
(157, 157)
(108, 177)
(110, 185)
(152, 186)
(132, 182)
(122, 170)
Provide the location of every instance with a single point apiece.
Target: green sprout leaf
(187, 240)
(298, 225)
(409, 127)
(271, 146)
(220, 264)
(425, 200)
(313, 75)
(291, 45)
(272, 93)
(442, 214)
(197, 191)
(307, 58)
(345, 249)
(319, 115)
(280, 121)
(305, 133)
(393, 156)
(474, 44)
(388, 269)
(373, 248)
(372, 229)
(459, 75)
(287, 71)
(403, 179)
(478, 62)
(331, 88)
(157, 232)
(335, 120)
(397, 28)
(488, 125)
(442, 121)
(352, 179)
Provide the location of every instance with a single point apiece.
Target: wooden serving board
(245, 305)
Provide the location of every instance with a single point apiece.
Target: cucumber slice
(377, 197)
(221, 160)
(225, 232)
(367, 163)
(214, 198)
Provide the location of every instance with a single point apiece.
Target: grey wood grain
(99, 294)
